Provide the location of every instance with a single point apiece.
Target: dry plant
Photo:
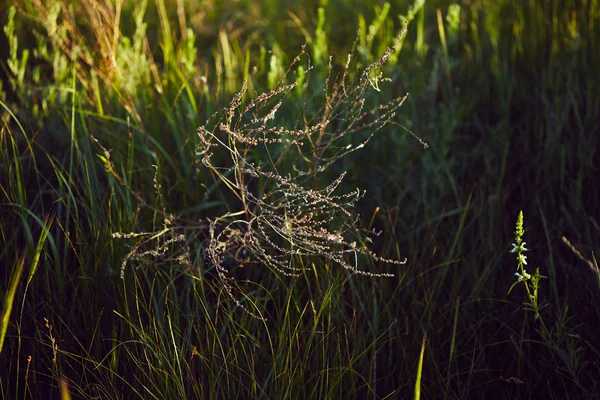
(157, 246)
(280, 214)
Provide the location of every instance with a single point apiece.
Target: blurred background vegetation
(95, 93)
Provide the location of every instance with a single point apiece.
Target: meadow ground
(311, 199)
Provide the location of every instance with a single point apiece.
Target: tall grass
(164, 164)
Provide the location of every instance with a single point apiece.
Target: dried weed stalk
(280, 213)
(162, 247)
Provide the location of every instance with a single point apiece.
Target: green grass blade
(9, 298)
(452, 345)
(40, 245)
(420, 370)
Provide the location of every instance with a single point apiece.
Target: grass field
(319, 199)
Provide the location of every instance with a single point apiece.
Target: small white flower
(523, 277)
(519, 276)
(522, 259)
(518, 249)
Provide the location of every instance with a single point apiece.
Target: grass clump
(283, 219)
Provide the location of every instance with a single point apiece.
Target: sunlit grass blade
(420, 370)
(9, 298)
(65, 393)
(40, 245)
